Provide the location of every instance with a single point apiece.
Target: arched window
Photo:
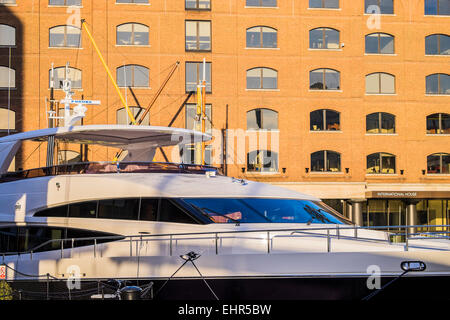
(59, 75)
(132, 34)
(122, 116)
(262, 119)
(326, 161)
(380, 122)
(68, 157)
(379, 43)
(438, 163)
(437, 44)
(7, 120)
(379, 6)
(7, 35)
(262, 161)
(325, 4)
(381, 163)
(132, 76)
(324, 79)
(65, 37)
(438, 123)
(325, 120)
(262, 78)
(7, 77)
(380, 83)
(261, 37)
(324, 38)
(437, 7)
(438, 83)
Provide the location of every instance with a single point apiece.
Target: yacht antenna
(51, 139)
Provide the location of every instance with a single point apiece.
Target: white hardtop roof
(119, 136)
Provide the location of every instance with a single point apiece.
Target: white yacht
(214, 237)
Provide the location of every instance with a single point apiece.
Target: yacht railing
(330, 233)
(105, 168)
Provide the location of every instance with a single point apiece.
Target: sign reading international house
(408, 194)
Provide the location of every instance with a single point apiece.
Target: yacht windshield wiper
(316, 214)
(202, 210)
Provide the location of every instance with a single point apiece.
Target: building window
(65, 37)
(381, 163)
(438, 163)
(326, 4)
(380, 83)
(380, 122)
(325, 161)
(7, 120)
(262, 161)
(325, 120)
(261, 37)
(324, 79)
(262, 119)
(133, 76)
(262, 78)
(379, 6)
(74, 75)
(438, 83)
(7, 36)
(198, 4)
(133, 1)
(7, 1)
(123, 118)
(438, 123)
(191, 152)
(132, 34)
(324, 38)
(261, 3)
(68, 157)
(437, 7)
(379, 43)
(7, 77)
(437, 44)
(191, 115)
(65, 3)
(198, 35)
(194, 75)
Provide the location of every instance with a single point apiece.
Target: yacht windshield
(249, 210)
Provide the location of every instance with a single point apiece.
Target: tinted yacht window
(169, 212)
(149, 209)
(126, 209)
(83, 210)
(221, 210)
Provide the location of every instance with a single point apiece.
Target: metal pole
(268, 242)
(122, 99)
(217, 245)
(328, 241)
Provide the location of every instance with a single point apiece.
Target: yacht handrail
(308, 231)
(107, 167)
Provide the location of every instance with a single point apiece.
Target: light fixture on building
(243, 169)
(284, 170)
(423, 172)
(347, 170)
(306, 170)
(402, 171)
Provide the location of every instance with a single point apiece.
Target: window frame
(133, 44)
(441, 163)
(10, 27)
(324, 121)
(324, 83)
(260, 5)
(380, 162)
(380, 84)
(65, 46)
(274, 157)
(261, 78)
(326, 168)
(323, 5)
(439, 84)
(379, 43)
(379, 6)
(439, 36)
(261, 46)
(199, 68)
(440, 129)
(197, 8)
(380, 123)
(324, 29)
(197, 28)
(133, 66)
(262, 119)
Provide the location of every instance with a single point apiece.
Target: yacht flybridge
(142, 220)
